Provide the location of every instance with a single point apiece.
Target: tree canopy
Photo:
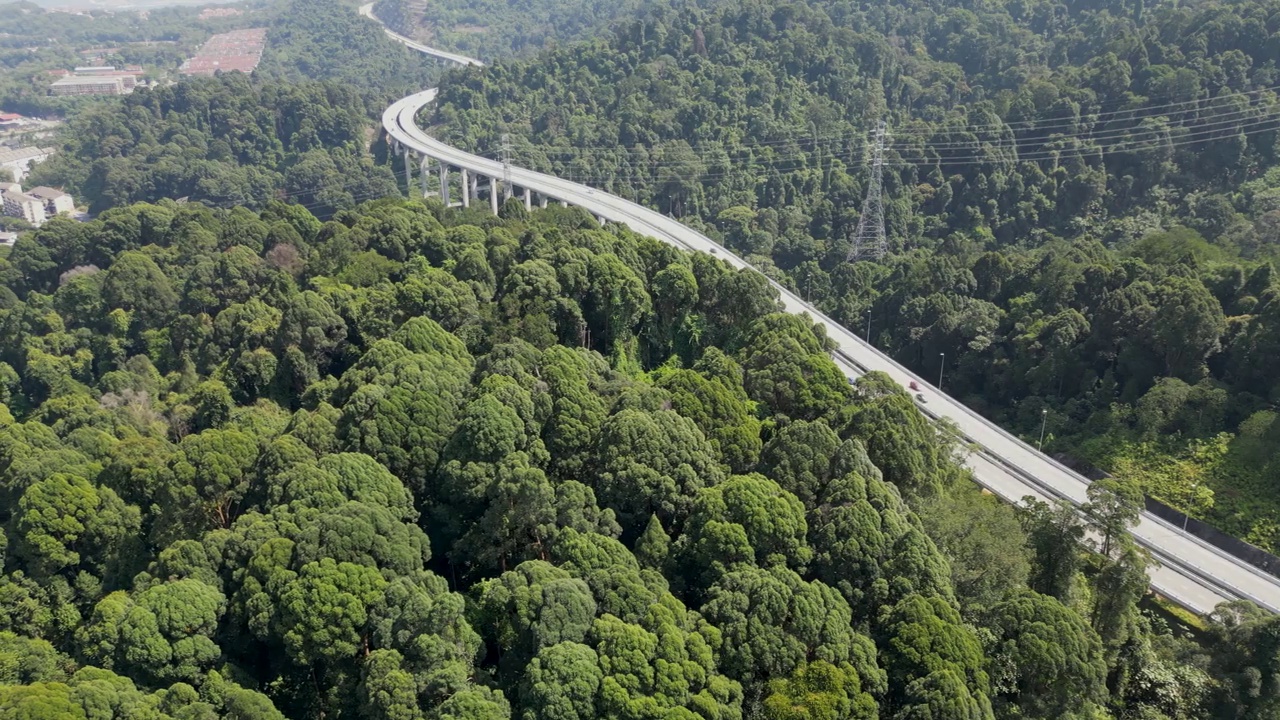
(239, 489)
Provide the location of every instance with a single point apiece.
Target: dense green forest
(227, 141)
(319, 40)
(237, 140)
(327, 40)
(492, 29)
(1080, 200)
(417, 463)
(387, 460)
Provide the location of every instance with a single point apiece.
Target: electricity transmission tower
(869, 239)
(506, 166)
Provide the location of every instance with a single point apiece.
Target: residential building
(55, 202)
(89, 85)
(7, 187)
(21, 205)
(210, 13)
(19, 161)
(11, 120)
(8, 238)
(128, 75)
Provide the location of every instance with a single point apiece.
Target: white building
(21, 205)
(55, 202)
(90, 85)
(19, 161)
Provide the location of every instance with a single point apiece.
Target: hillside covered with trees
(227, 141)
(301, 128)
(327, 40)
(495, 29)
(1080, 200)
(416, 463)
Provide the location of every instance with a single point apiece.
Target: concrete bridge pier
(466, 188)
(542, 202)
(408, 170)
(444, 184)
(424, 172)
(528, 199)
(493, 195)
(564, 203)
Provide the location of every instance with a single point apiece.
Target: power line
(1180, 137)
(1212, 104)
(1225, 119)
(1248, 129)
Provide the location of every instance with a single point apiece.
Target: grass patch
(1178, 617)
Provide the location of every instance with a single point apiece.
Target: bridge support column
(444, 184)
(528, 199)
(493, 195)
(564, 203)
(475, 187)
(408, 171)
(424, 172)
(600, 219)
(466, 188)
(542, 202)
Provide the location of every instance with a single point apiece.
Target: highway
(1191, 572)
(367, 11)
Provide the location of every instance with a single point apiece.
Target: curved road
(1191, 572)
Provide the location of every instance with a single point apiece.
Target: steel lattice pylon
(869, 239)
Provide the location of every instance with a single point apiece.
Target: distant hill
(122, 4)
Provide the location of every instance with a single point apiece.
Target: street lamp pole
(942, 364)
(1186, 515)
(1044, 418)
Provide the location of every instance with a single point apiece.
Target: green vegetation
(417, 463)
(227, 141)
(36, 41)
(1079, 200)
(327, 40)
(496, 29)
(318, 40)
(242, 141)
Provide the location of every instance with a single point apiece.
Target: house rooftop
(23, 153)
(86, 80)
(45, 193)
